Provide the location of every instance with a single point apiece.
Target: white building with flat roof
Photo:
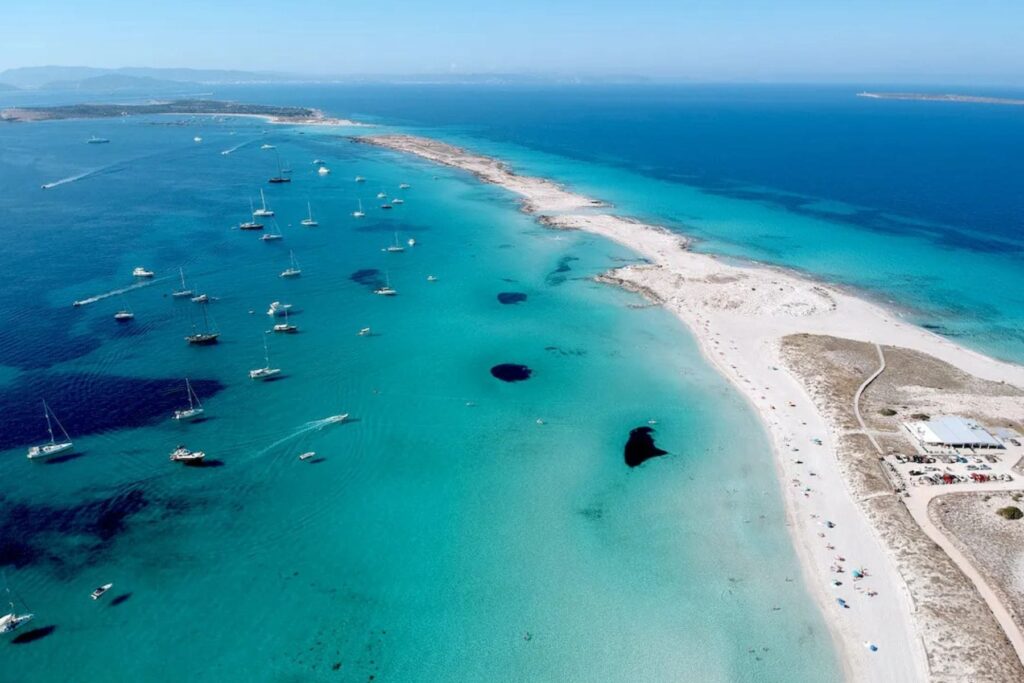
(952, 431)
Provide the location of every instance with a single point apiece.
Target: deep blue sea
(457, 527)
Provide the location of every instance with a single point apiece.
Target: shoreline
(739, 315)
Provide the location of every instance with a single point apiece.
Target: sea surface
(456, 527)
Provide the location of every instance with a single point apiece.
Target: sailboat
(54, 446)
(285, 327)
(309, 222)
(396, 247)
(195, 408)
(266, 372)
(280, 177)
(273, 235)
(386, 290)
(250, 225)
(263, 211)
(359, 213)
(206, 337)
(293, 270)
(184, 291)
(125, 314)
(12, 621)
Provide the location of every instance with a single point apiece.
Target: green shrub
(1010, 512)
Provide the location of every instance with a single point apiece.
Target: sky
(710, 40)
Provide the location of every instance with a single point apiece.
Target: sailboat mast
(49, 427)
(188, 387)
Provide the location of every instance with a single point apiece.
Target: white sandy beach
(739, 314)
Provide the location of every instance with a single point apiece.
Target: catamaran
(266, 372)
(285, 327)
(293, 270)
(195, 408)
(142, 272)
(183, 454)
(273, 235)
(309, 221)
(184, 291)
(396, 247)
(54, 446)
(386, 290)
(359, 213)
(263, 211)
(206, 337)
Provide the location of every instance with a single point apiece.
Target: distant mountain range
(163, 81)
(91, 78)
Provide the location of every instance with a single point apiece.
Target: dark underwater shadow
(33, 635)
(58, 459)
(120, 599)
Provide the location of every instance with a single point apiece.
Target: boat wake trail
(315, 425)
(238, 146)
(115, 292)
(82, 176)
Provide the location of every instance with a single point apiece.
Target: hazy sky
(951, 40)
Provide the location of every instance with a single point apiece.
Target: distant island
(927, 97)
(276, 114)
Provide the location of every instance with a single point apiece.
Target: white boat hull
(12, 622)
(46, 450)
(189, 414)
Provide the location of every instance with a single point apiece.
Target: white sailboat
(386, 290)
(359, 213)
(125, 314)
(273, 235)
(184, 291)
(266, 372)
(263, 211)
(396, 247)
(195, 408)
(293, 270)
(12, 621)
(309, 221)
(54, 446)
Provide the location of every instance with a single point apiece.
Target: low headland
(272, 113)
(831, 375)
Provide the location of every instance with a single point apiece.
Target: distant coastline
(274, 114)
(929, 97)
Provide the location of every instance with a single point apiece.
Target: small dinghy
(98, 593)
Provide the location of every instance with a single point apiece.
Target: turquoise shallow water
(443, 524)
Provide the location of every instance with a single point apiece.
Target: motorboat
(142, 272)
(124, 316)
(307, 455)
(365, 332)
(323, 170)
(183, 454)
(278, 308)
(98, 593)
